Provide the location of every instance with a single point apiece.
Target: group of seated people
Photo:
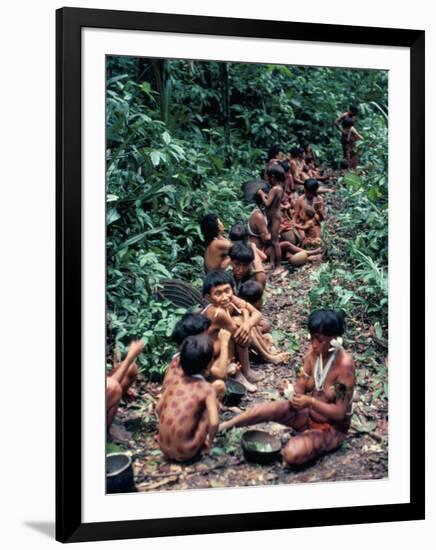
(318, 408)
(216, 343)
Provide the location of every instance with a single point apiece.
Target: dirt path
(363, 455)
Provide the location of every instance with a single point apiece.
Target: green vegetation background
(181, 138)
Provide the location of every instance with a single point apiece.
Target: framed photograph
(265, 180)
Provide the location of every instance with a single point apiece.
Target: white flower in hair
(336, 343)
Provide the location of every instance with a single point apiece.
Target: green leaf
(112, 216)
(155, 157)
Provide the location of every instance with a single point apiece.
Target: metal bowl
(261, 447)
(119, 473)
(235, 391)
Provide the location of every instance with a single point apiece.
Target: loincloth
(323, 426)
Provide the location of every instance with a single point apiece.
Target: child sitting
(239, 232)
(246, 265)
(310, 227)
(188, 409)
(192, 324)
(252, 292)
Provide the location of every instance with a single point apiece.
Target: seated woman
(217, 246)
(320, 408)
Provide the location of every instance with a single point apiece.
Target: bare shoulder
(239, 302)
(346, 366)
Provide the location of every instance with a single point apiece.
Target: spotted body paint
(183, 421)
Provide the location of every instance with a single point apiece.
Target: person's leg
(244, 373)
(262, 347)
(269, 411)
(114, 393)
(264, 326)
(220, 389)
(310, 444)
(276, 257)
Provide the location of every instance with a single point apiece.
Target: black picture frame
(69, 22)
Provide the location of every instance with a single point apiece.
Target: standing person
(217, 246)
(349, 138)
(321, 404)
(272, 202)
(351, 113)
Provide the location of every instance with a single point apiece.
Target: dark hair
(238, 232)
(300, 150)
(217, 277)
(273, 151)
(353, 109)
(329, 322)
(241, 252)
(285, 165)
(195, 354)
(251, 291)
(189, 325)
(276, 172)
(347, 122)
(311, 185)
(294, 151)
(209, 227)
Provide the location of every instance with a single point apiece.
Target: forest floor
(363, 455)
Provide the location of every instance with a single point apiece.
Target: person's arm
(303, 376)
(356, 134)
(133, 351)
(333, 411)
(339, 120)
(269, 199)
(259, 270)
(255, 315)
(259, 255)
(319, 209)
(219, 366)
(212, 417)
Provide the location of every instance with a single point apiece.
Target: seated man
(229, 312)
(217, 246)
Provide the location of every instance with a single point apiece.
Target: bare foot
(252, 376)
(278, 271)
(280, 358)
(242, 380)
(118, 434)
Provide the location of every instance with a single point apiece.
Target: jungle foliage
(181, 138)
